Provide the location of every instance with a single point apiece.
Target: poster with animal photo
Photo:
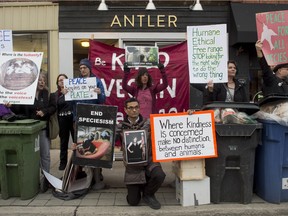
(136, 151)
(141, 56)
(19, 73)
(95, 134)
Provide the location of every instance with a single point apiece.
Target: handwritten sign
(19, 73)
(207, 53)
(80, 88)
(6, 42)
(272, 30)
(180, 136)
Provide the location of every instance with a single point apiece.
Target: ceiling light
(85, 43)
(150, 5)
(197, 6)
(102, 6)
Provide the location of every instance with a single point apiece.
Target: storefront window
(32, 42)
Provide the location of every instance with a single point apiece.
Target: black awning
(243, 22)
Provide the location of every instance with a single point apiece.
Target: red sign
(272, 30)
(108, 63)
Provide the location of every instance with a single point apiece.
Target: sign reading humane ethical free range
(182, 137)
(19, 73)
(207, 53)
(6, 42)
(80, 88)
(272, 31)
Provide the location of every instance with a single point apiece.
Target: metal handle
(232, 168)
(12, 165)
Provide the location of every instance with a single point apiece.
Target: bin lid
(248, 108)
(272, 98)
(25, 126)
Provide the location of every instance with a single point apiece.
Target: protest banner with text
(183, 137)
(80, 88)
(207, 53)
(19, 73)
(272, 30)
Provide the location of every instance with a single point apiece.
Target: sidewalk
(113, 201)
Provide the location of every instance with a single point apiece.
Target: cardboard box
(190, 169)
(193, 192)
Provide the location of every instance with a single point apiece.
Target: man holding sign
(143, 177)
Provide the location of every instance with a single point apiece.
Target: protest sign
(95, 135)
(80, 88)
(136, 150)
(141, 56)
(272, 31)
(19, 73)
(207, 53)
(6, 41)
(183, 137)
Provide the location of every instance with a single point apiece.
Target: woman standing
(232, 91)
(65, 120)
(145, 91)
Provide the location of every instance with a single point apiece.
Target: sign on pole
(180, 136)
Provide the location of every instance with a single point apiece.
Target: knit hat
(285, 65)
(85, 62)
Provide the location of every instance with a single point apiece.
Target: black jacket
(271, 83)
(220, 93)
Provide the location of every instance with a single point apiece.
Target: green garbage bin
(19, 158)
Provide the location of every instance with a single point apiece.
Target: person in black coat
(275, 79)
(232, 91)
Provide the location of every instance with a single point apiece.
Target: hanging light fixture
(197, 6)
(102, 6)
(150, 5)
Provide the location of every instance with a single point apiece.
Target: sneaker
(62, 166)
(152, 202)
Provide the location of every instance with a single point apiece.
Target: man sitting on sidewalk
(146, 177)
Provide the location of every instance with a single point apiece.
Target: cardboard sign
(180, 136)
(80, 88)
(19, 73)
(207, 53)
(95, 134)
(272, 31)
(135, 147)
(141, 56)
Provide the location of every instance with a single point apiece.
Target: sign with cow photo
(141, 56)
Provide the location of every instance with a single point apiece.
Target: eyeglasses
(133, 108)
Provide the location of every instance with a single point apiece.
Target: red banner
(272, 31)
(108, 63)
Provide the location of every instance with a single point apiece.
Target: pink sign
(272, 30)
(108, 63)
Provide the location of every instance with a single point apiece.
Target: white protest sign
(207, 53)
(180, 136)
(6, 42)
(19, 73)
(80, 88)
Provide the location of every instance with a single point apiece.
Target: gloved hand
(160, 66)
(126, 68)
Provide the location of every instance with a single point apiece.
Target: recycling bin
(271, 167)
(232, 172)
(19, 158)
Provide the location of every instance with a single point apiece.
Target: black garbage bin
(231, 173)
